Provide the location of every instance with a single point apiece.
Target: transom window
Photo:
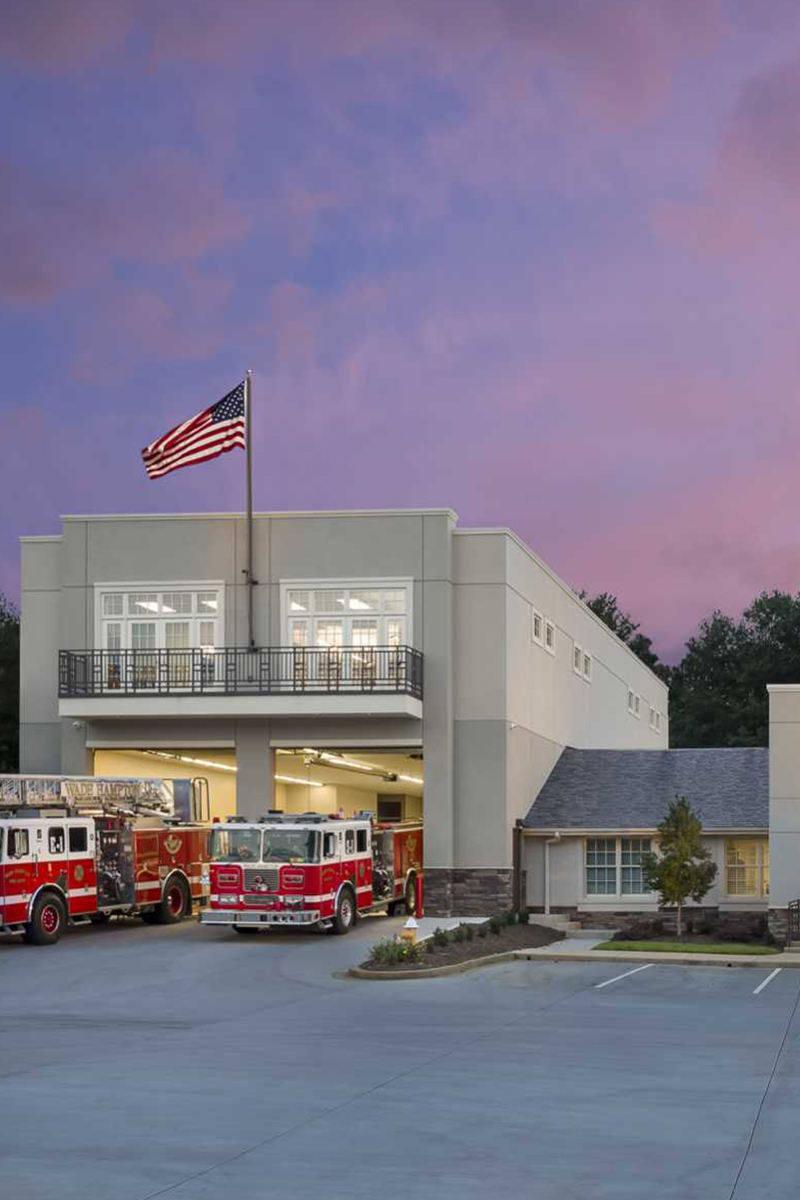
(342, 614)
(614, 866)
(747, 867)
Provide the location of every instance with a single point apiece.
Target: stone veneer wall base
(467, 891)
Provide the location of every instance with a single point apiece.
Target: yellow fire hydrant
(409, 931)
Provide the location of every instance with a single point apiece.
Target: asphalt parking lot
(191, 1063)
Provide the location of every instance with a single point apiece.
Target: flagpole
(248, 392)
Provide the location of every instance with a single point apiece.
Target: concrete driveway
(191, 1063)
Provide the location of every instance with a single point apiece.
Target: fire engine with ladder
(310, 870)
(80, 849)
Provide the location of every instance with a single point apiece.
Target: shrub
(430, 947)
(706, 926)
(482, 931)
(390, 952)
(440, 937)
(510, 917)
(524, 917)
(460, 934)
(470, 932)
(496, 924)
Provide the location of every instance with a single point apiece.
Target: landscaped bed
(461, 945)
(690, 945)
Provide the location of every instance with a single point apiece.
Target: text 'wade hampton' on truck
(76, 849)
(310, 869)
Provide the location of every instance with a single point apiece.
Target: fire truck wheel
(175, 903)
(345, 917)
(47, 921)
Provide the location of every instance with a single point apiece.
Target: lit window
(746, 868)
(298, 602)
(207, 602)
(538, 628)
(394, 601)
(328, 601)
(587, 666)
(145, 603)
(550, 637)
(176, 602)
(577, 659)
(364, 601)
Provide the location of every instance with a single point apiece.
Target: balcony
(274, 680)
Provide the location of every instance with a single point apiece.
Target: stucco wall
(567, 879)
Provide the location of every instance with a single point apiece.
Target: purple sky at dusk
(532, 259)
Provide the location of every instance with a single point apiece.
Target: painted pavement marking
(764, 982)
(625, 976)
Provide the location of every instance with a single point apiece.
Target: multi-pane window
(172, 618)
(550, 637)
(577, 659)
(747, 867)
(365, 616)
(587, 666)
(637, 705)
(631, 851)
(537, 629)
(614, 866)
(601, 866)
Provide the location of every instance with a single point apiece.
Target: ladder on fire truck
(97, 795)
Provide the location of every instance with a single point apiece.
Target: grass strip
(689, 947)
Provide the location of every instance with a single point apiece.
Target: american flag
(212, 432)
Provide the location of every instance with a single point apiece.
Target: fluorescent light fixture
(295, 607)
(304, 782)
(197, 762)
(151, 606)
(410, 779)
(356, 603)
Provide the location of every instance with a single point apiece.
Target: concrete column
(784, 794)
(437, 735)
(76, 757)
(255, 760)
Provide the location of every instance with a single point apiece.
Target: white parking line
(764, 982)
(625, 976)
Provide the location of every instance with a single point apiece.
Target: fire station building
(402, 665)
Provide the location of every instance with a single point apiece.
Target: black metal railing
(269, 671)
(793, 931)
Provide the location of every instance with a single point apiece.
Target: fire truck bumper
(217, 916)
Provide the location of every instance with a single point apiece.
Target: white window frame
(637, 706)
(537, 616)
(631, 699)
(577, 659)
(587, 666)
(549, 643)
(387, 583)
(617, 896)
(159, 619)
(762, 861)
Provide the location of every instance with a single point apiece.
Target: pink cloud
(63, 34)
(164, 207)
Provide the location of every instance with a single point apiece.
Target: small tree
(682, 867)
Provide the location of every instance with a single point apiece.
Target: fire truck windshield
(291, 845)
(236, 845)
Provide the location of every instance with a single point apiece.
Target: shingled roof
(631, 789)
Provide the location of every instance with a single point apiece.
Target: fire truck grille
(256, 900)
(264, 877)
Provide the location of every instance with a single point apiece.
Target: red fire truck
(80, 849)
(310, 869)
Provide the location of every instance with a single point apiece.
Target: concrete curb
(433, 972)
(683, 960)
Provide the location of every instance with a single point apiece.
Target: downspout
(550, 842)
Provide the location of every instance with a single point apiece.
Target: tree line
(718, 691)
